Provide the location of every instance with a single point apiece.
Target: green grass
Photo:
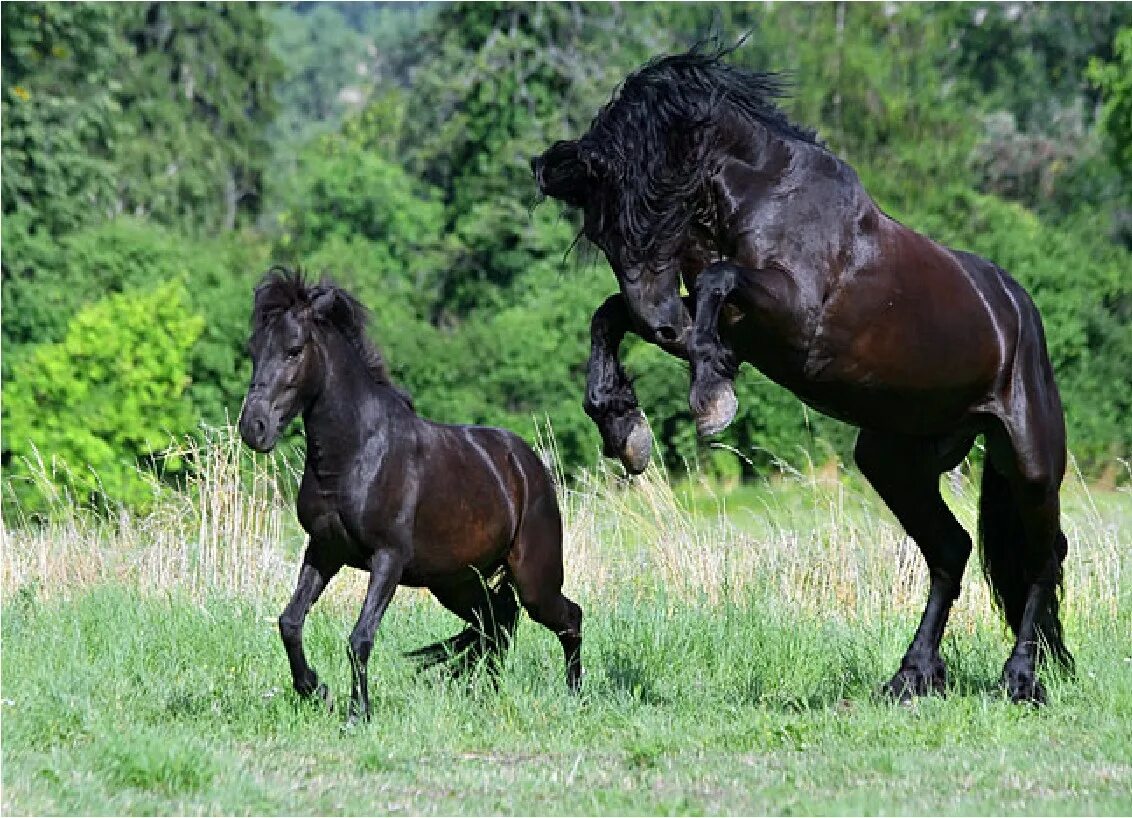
(117, 702)
(733, 644)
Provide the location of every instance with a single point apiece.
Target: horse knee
(717, 279)
(290, 629)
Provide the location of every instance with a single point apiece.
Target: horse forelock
(279, 291)
(655, 139)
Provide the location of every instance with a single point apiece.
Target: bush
(105, 399)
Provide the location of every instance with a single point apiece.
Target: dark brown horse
(691, 173)
(467, 512)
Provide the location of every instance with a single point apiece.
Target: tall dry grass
(814, 541)
(225, 531)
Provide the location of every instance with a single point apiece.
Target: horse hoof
(911, 683)
(1024, 688)
(638, 447)
(720, 410)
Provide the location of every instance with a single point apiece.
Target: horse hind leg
(1023, 548)
(535, 564)
(905, 473)
(491, 613)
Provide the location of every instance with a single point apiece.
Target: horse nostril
(667, 334)
(259, 427)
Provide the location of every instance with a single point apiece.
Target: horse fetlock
(714, 405)
(313, 690)
(359, 712)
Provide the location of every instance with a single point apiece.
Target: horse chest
(334, 527)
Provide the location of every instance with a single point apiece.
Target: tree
(62, 113)
(1114, 79)
(199, 104)
(149, 109)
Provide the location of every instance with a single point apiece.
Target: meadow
(734, 641)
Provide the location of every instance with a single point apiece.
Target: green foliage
(179, 138)
(200, 99)
(973, 124)
(105, 399)
(336, 57)
(47, 281)
(346, 191)
(61, 112)
(1114, 79)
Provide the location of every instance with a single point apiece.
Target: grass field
(733, 643)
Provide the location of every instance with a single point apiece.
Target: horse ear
(323, 302)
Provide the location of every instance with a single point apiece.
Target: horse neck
(350, 408)
(754, 143)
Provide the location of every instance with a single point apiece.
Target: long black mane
(651, 145)
(283, 289)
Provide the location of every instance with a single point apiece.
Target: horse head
(285, 358)
(582, 175)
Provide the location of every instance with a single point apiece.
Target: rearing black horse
(692, 173)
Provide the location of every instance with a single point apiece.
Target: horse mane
(651, 145)
(283, 289)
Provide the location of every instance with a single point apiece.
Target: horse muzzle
(671, 326)
(259, 428)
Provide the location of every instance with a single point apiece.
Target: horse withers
(468, 512)
(692, 174)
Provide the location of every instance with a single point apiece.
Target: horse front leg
(610, 400)
(384, 574)
(713, 363)
(314, 576)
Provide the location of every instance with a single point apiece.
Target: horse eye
(294, 353)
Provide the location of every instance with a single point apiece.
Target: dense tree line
(158, 157)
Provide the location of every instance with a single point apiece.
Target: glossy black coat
(468, 512)
(692, 175)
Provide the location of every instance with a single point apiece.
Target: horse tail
(1011, 560)
(1001, 535)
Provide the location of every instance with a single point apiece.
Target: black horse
(467, 512)
(692, 173)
